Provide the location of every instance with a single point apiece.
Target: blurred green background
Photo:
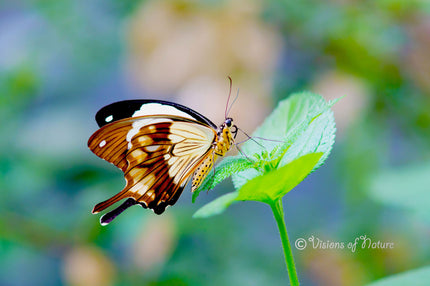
(60, 61)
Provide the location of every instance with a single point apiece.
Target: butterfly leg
(249, 138)
(243, 154)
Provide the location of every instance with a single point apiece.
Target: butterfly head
(227, 127)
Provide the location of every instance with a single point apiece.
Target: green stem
(289, 260)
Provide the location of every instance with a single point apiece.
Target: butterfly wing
(141, 107)
(158, 154)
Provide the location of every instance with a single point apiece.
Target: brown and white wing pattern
(158, 155)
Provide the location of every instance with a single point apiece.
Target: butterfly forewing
(158, 154)
(141, 107)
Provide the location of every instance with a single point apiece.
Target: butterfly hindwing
(158, 154)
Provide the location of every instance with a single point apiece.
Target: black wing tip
(126, 108)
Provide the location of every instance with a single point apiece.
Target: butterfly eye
(228, 122)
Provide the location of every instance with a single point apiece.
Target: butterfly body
(159, 146)
(222, 143)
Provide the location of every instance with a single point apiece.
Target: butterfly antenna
(228, 99)
(237, 95)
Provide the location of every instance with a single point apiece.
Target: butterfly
(160, 146)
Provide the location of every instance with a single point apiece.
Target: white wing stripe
(160, 109)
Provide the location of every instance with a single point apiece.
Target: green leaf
(275, 184)
(405, 187)
(306, 124)
(416, 277)
(317, 137)
(265, 188)
(228, 166)
(217, 206)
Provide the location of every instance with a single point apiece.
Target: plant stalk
(289, 260)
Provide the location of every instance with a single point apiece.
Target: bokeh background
(60, 61)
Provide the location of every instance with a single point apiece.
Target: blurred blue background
(60, 61)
